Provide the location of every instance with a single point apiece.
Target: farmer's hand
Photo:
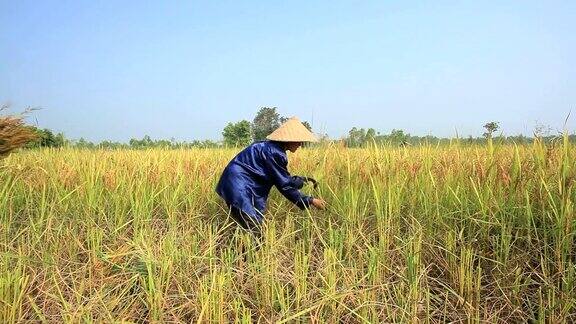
(319, 203)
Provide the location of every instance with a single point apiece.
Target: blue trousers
(246, 221)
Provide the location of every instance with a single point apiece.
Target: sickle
(314, 182)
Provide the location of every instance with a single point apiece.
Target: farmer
(248, 178)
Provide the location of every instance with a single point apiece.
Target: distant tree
(212, 144)
(356, 137)
(46, 138)
(429, 139)
(237, 134)
(145, 142)
(84, 144)
(111, 145)
(490, 127)
(61, 140)
(399, 137)
(370, 135)
(518, 139)
(266, 121)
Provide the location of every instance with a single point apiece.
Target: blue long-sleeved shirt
(246, 181)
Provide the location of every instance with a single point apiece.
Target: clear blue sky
(122, 69)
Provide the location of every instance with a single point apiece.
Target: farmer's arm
(276, 167)
(297, 181)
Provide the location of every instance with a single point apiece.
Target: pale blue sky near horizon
(183, 70)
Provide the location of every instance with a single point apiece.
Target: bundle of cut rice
(14, 133)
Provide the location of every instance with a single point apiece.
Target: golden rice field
(418, 234)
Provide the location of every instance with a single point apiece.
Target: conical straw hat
(292, 131)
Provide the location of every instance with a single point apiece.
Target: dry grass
(13, 132)
(417, 234)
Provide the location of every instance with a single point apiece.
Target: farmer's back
(245, 182)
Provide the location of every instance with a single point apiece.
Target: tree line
(239, 133)
(360, 137)
(267, 119)
(46, 138)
